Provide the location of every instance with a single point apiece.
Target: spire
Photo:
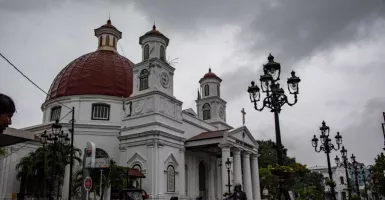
(199, 95)
(154, 27)
(210, 69)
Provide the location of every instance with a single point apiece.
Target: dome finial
(154, 27)
(209, 69)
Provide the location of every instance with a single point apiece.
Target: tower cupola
(108, 36)
(154, 44)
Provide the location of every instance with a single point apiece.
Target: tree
(377, 182)
(44, 169)
(3, 152)
(305, 183)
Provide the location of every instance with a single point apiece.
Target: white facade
(181, 154)
(339, 177)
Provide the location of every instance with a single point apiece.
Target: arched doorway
(202, 180)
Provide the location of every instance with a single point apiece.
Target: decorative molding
(138, 106)
(136, 158)
(152, 124)
(171, 160)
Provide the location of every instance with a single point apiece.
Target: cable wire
(25, 76)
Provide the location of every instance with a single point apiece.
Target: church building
(130, 111)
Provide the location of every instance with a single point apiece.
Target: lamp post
(327, 147)
(228, 166)
(275, 95)
(355, 167)
(383, 128)
(345, 162)
(54, 141)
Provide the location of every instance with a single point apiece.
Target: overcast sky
(335, 47)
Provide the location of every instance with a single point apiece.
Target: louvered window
(100, 111)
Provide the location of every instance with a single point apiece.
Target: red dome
(97, 73)
(210, 75)
(153, 32)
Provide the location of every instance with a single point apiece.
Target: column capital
(246, 153)
(254, 156)
(236, 151)
(225, 146)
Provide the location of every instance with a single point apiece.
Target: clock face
(164, 79)
(221, 113)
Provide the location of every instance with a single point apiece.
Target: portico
(241, 148)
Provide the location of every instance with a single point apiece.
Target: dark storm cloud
(29, 5)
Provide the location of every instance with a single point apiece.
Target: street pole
(347, 178)
(357, 186)
(228, 180)
(330, 170)
(71, 153)
(101, 180)
(278, 138)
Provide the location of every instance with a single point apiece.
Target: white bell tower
(210, 106)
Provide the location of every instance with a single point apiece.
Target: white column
(182, 174)
(225, 155)
(247, 175)
(255, 177)
(237, 166)
(218, 178)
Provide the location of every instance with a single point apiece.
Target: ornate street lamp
(345, 164)
(274, 100)
(355, 167)
(54, 140)
(275, 95)
(228, 167)
(327, 147)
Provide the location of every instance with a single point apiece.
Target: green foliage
(43, 169)
(356, 197)
(3, 152)
(377, 182)
(305, 183)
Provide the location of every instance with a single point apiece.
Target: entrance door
(202, 181)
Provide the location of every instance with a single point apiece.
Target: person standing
(238, 194)
(7, 109)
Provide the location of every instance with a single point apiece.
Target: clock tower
(153, 73)
(210, 106)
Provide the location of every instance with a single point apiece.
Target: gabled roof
(208, 135)
(190, 111)
(13, 136)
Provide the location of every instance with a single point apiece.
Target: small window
(55, 113)
(162, 56)
(100, 41)
(219, 90)
(342, 180)
(107, 40)
(146, 52)
(206, 111)
(143, 79)
(170, 179)
(100, 111)
(207, 90)
(114, 42)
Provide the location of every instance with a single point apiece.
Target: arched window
(55, 113)
(206, 111)
(170, 179)
(219, 90)
(207, 90)
(342, 180)
(139, 180)
(101, 41)
(162, 56)
(143, 79)
(107, 40)
(146, 52)
(114, 42)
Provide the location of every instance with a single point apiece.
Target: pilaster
(237, 166)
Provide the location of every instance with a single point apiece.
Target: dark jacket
(237, 196)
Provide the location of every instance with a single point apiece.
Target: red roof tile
(135, 173)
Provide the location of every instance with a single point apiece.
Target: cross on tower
(243, 116)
